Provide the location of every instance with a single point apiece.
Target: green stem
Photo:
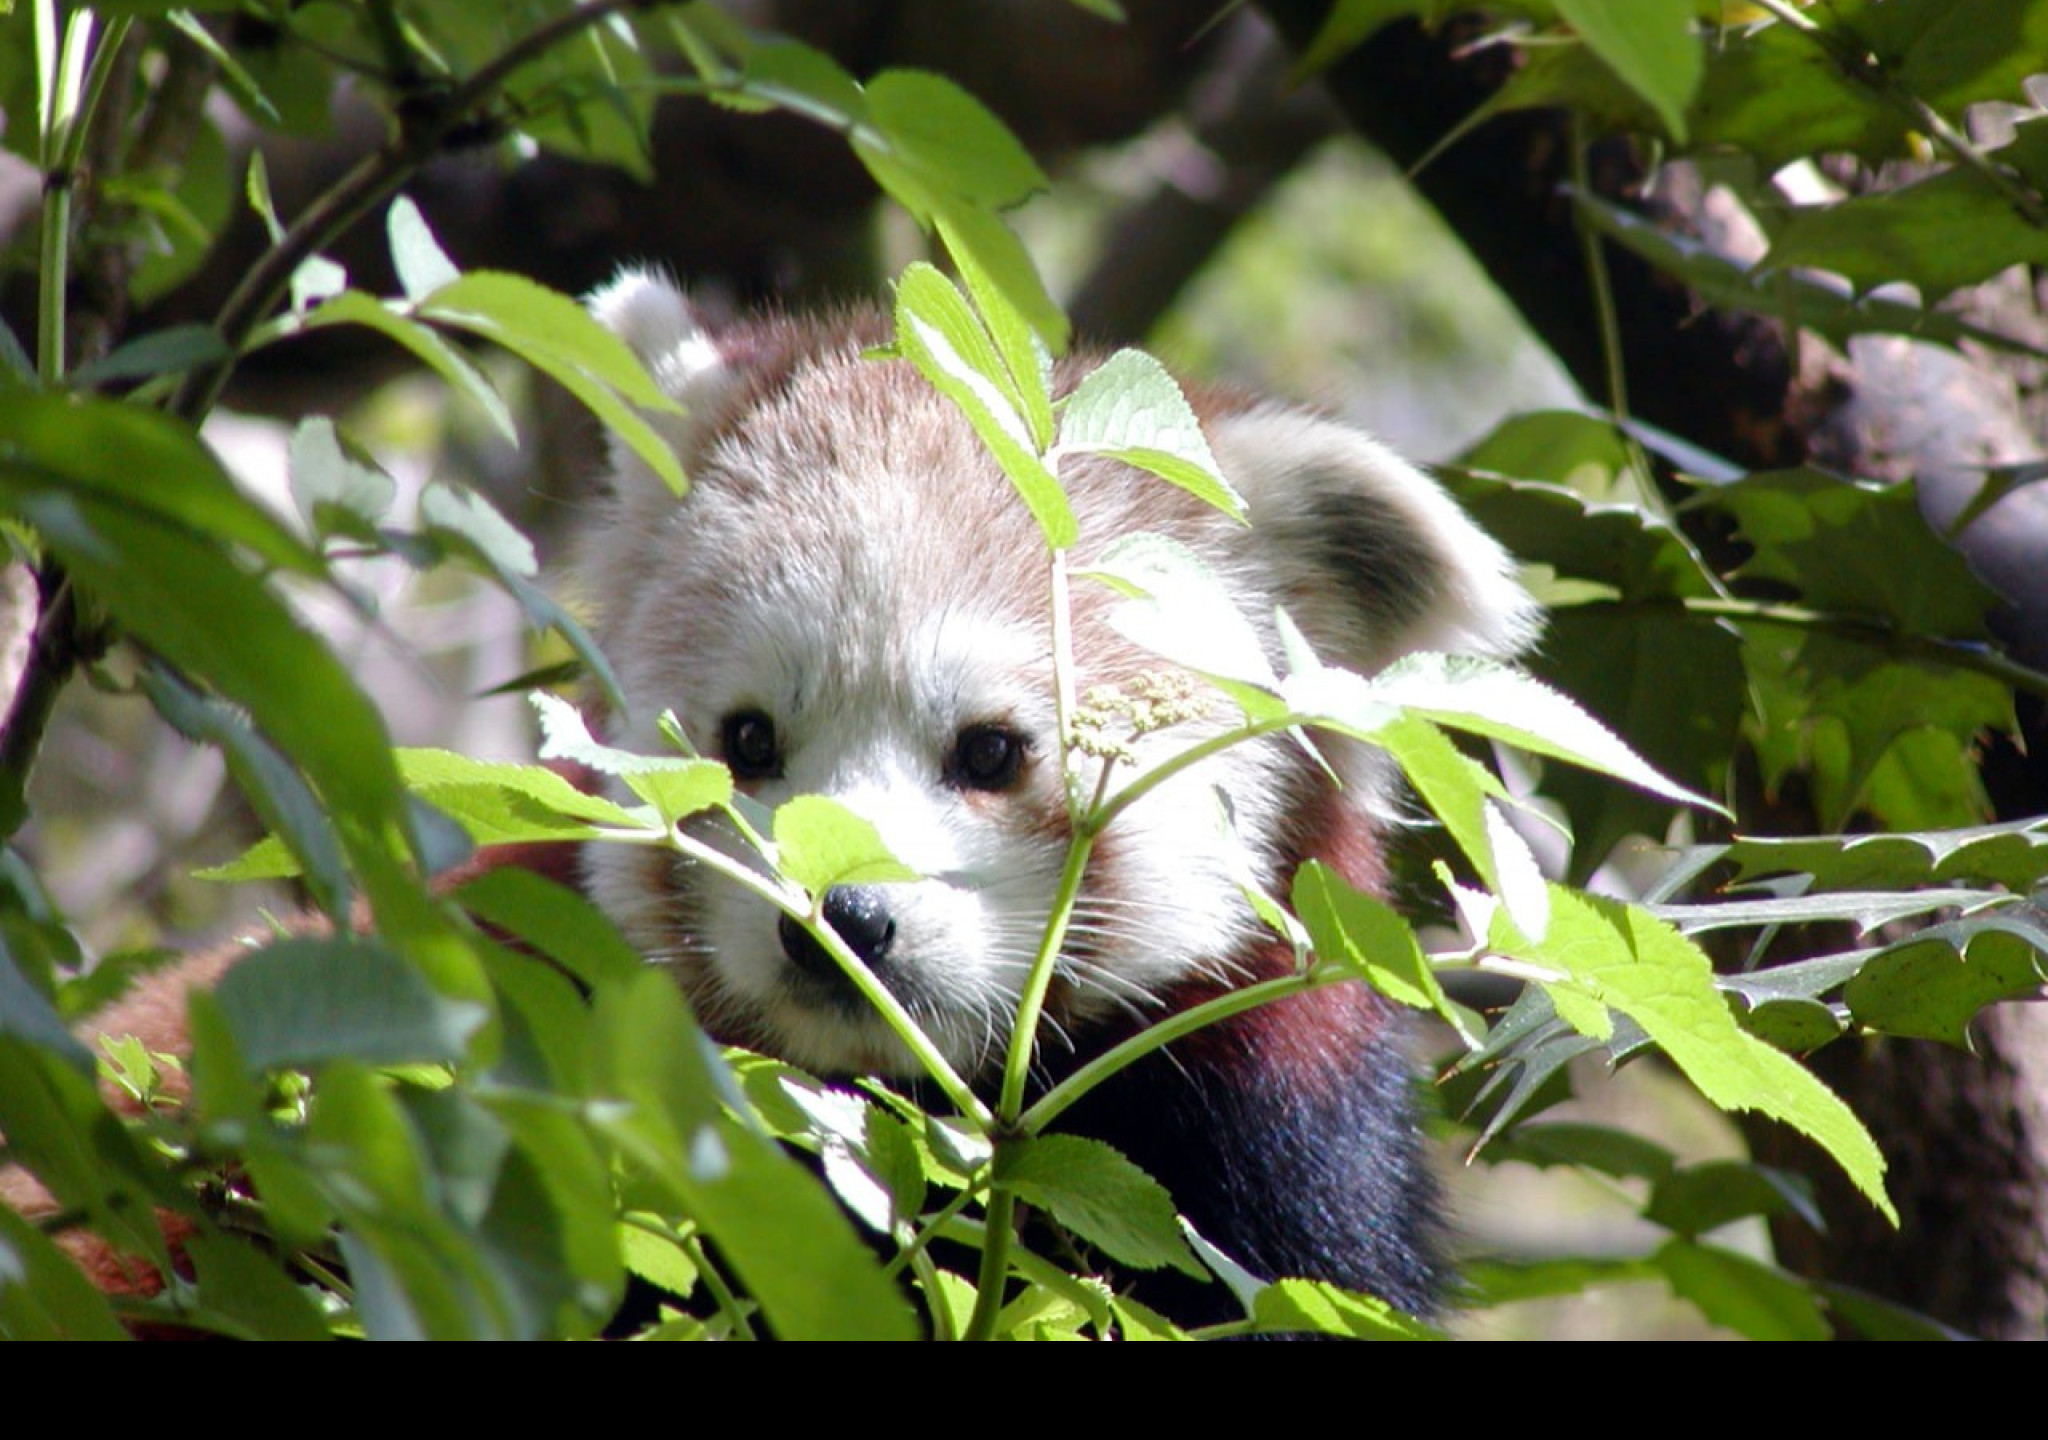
(722, 1295)
(61, 70)
(1023, 1039)
(1055, 1101)
(1598, 281)
(990, 1283)
(54, 259)
(798, 906)
(1174, 764)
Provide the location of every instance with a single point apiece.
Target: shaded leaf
(2013, 854)
(1649, 44)
(1952, 229)
(1704, 1197)
(1102, 1197)
(42, 1294)
(299, 1002)
(334, 490)
(1736, 1292)
(1934, 984)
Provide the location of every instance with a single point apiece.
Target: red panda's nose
(861, 916)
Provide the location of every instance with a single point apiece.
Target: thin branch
(369, 184)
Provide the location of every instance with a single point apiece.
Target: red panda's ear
(1371, 558)
(665, 330)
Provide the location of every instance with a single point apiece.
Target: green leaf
(316, 281)
(1522, 1067)
(471, 520)
(1181, 610)
(949, 139)
(161, 352)
(1673, 683)
(2013, 855)
(298, 1003)
(1779, 96)
(675, 785)
(558, 337)
(472, 529)
(531, 320)
(804, 79)
(1952, 56)
(27, 1014)
(1319, 1308)
(1573, 501)
(59, 1129)
(989, 253)
(1359, 933)
(610, 88)
(1880, 729)
(151, 467)
(1736, 1292)
(1025, 356)
(42, 1294)
(1934, 984)
(169, 588)
(1502, 1282)
(794, 1248)
(656, 1257)
(1350, 23)
(17, 366)
(337, 492)
(501, 801)
(282, 86)
(1866, 910)
(1619, 956)
(551, 1222)
(1102, 1197)
(1649, 44)
(1801, 300)
(352, 307)
(1609, 1151)
(183, 208)
(1704, 1197)
(237, 1282)
(950, 347)
(1482, 697)
(415, 1264)
(819, 843)
(287, 806)
(1953, 229)
(1876, 1319)
(422, 265)
(1459, 791)
(1130, 409)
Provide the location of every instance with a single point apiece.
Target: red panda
(851, 601)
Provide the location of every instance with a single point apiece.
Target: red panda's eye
(987, 757)
(748, 740)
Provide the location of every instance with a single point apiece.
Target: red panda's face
(852, 602)
(861, 614)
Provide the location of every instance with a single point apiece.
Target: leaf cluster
(479, 1114)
